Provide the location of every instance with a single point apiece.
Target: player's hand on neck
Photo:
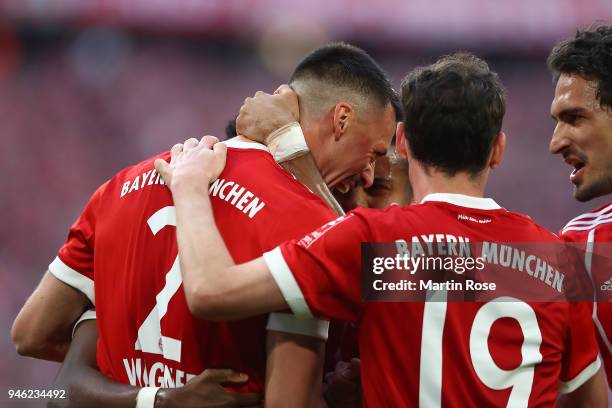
(263, 114)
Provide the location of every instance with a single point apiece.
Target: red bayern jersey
(593, 232)
(434, 354)
(125, 242)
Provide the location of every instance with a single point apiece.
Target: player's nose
(367, 175)
(558, 141)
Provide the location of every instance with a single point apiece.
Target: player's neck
(433, 181)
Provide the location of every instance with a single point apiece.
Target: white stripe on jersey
(289, 323)
(73, 278)
(239, 144)
(588, 260)
(592, 214)
(602, 217)
(581, 378)
(583, 226)
(287, 284)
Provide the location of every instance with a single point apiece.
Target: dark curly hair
(588, 54)
(453, 112)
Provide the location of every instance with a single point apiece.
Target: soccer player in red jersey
(390, 185)
(518, 353)
(124, 241)
(582, 108)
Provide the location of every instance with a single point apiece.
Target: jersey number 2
(150, 338)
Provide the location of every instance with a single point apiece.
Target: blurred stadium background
(88, 87)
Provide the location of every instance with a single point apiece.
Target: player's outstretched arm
(592, 394)
(43, 327)
(86, 387)
(215, 288)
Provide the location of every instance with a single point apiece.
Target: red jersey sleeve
(319, 275)
(580, 359)
(74, 264)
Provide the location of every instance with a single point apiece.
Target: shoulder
(532, 227)
(252, 166)
(598, 218)
(253, 162)
(135, 177)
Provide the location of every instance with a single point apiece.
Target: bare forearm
(85, 386)
(203, 255)
(94, 390)
(52, 351)
(294, 370)
(44, 324)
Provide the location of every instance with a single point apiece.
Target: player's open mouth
(576, 173)
(345, 186)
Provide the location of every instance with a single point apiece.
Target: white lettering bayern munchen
(148, 178)
(236, 195)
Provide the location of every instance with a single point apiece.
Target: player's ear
(400, 141)
(343, 116)
(497, 152)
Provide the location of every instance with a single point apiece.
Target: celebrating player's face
(390, 185)
(354, 154)
(583, 136)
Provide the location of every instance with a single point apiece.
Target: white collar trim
(239, 144)
(463, 201)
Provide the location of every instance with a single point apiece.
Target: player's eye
(572, 119)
